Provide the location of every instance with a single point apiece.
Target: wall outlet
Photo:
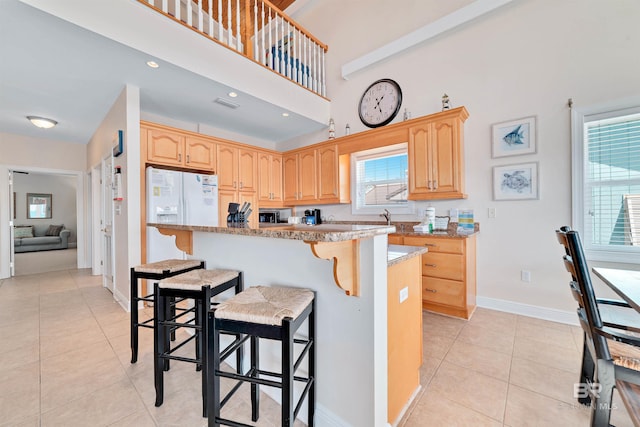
(525, 276)
(492, 212)
(404, 294)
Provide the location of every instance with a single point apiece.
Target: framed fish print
(515, 182)
(514, 138)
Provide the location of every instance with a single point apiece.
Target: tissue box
(421, 228)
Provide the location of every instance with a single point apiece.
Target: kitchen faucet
(387, 216)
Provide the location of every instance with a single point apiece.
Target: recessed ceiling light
(285, 114)
(152, 64)
(232, 94)
(42, 122)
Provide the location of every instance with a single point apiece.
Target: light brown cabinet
(230, 196)
(237, 168)
(169, 148)
(316, 176)
(448, 274)
(270, 180)
(436, 160)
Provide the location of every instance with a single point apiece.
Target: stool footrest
(167, 355)
(231, 348)
(226, 422)
(308, 344)
(310, 382)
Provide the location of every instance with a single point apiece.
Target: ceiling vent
(226, 103)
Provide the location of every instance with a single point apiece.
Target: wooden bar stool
(274, 313)
(200, 286)
(153, 271)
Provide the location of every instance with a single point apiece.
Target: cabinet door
(290, 172)
(250, 197)
(247, 170)
(419, 170)
(307, 175)
(165, 147)
(224, 198)
(276, 178)
(328, 173)
(200, 154)
(264, 177)
(445, 157)
(227, 167)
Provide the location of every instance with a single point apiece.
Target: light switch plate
(404, 294)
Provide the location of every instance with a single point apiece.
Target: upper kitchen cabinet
(300, 177)
(436, 156)
(170, 148)
(270, 179)
(237, 168)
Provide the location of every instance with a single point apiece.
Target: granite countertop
(406, 229)
(309, 233)
(399, 253)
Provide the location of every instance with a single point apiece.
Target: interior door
(107, 223)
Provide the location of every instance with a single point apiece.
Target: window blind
(381, 178)
(612, 181)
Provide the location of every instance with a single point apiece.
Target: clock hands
(378, 103)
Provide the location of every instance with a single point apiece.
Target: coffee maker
(312, 216)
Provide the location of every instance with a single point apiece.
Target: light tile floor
(64, 361)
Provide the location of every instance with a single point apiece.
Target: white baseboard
(123, 300)
(545, 313)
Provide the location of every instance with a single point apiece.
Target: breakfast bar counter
(346, 266)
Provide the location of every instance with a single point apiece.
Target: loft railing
(257, 30)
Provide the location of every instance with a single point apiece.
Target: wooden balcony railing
(258, 30)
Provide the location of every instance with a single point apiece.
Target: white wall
(524, 59)
(63, 189)
(124, 115)
(34, 154)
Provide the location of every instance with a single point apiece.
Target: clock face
(380, 103)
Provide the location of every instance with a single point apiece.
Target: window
(606, 181)
(380, 180)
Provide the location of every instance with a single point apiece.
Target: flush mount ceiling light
(152, 64)
(42, 122)
(285, 114)
(232, 94)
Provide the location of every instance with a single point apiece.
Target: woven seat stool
(153, 271)
(274, 313)
(200, 286)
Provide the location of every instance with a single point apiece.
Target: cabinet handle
(179, 157)
(429, 184)
(234, 184)
(188, 159)
(430, 265)
(430, 290)
(435, 184)
(240, 184)
(430, 244)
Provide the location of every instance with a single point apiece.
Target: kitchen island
(352, 383)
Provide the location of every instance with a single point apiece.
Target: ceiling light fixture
(42, 122)
(232, 94)
(152, 64)
(285, 114)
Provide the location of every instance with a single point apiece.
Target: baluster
(165, 6)
(211, 34)
(238, 33)
(324, 74)
(189, 14)
(200, 17)
(283, 63)
(316, 65)
(256, 53)
(229, 33)
(220, 26)
(289, 51)
(300, 68)
(177, 6)
(278, 55)
(262, 30)
(272, 50)
(295, 63)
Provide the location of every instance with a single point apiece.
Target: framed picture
(38, 206)
(515, 182)
(514, 138)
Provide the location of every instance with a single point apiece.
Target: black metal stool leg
(255, 388)
(312, 366)
(134, 316)
(213, 362)
(287, 373)
(159, 345)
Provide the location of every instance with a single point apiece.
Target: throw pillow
(21, 231)
(54, 230)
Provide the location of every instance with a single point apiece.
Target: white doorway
(107, 211)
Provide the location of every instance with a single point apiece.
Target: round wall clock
(380, 103)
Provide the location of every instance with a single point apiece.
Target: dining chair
(613, 351)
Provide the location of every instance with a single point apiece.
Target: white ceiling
(52, 68)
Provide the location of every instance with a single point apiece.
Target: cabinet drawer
(454, 246)
(445, 266)
(395, 239)
(442, 291)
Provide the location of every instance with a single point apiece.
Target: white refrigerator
(178, 198)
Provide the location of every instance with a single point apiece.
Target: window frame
(579, 117)
(387, 150)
